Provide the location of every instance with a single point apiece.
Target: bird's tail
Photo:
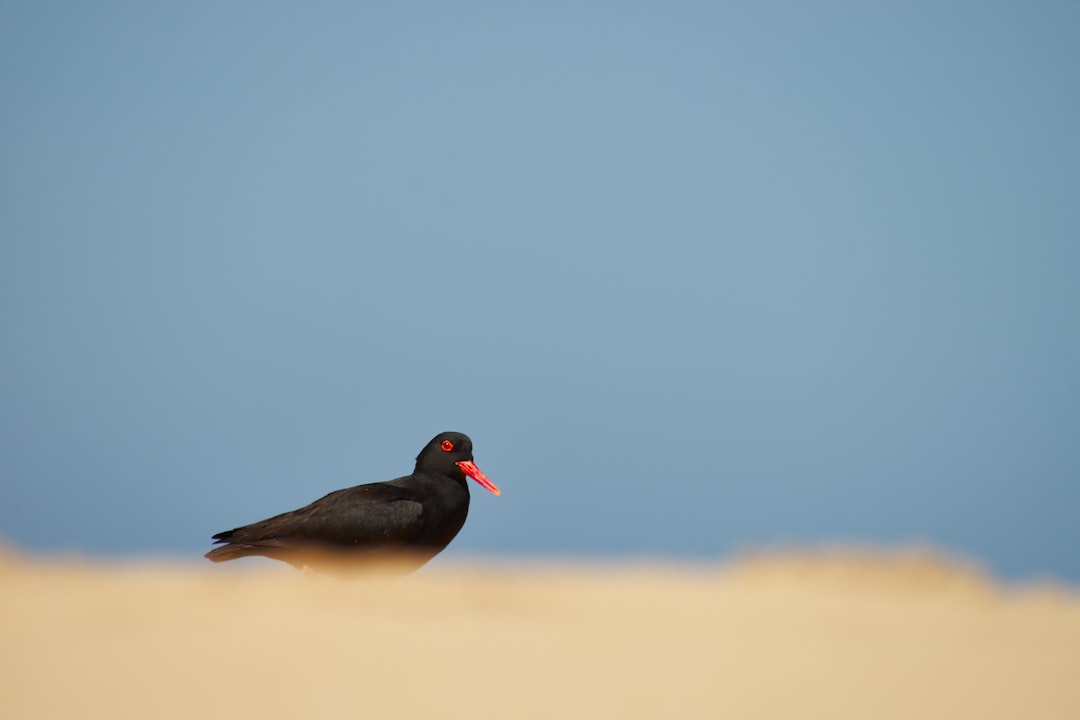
(228, 552)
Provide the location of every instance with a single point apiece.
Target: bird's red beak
(476, 474)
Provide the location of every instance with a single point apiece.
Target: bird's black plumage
(408, 520)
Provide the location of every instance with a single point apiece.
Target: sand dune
(813, 635)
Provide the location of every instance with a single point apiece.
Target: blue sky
(695, 277)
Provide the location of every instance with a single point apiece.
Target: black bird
(408, 520)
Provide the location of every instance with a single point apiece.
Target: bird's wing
(378, 514)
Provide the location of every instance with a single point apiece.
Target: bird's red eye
(447, 446)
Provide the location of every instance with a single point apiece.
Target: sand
(811, 635)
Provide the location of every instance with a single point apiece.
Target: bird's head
(450, 453)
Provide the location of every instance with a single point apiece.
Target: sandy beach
(792, 635)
